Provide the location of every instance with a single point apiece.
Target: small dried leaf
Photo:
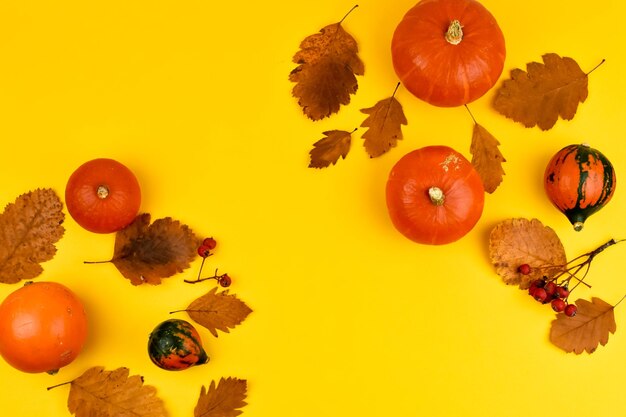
(590, 326)
(385, 122)
(546, 91)
(100, 393)
(515, 242)
(486, 158)
(145, 253)
(29, 228)
(223, 400)
(325, 75)
(327, 150)
(218, 311)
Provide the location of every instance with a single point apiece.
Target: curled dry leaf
(385, 122)
(29, 228)
(222, 400)
(514, 242)
(543, 93)
(487, 158)
(325, 77)
(113, 394)
(329, 149)
(146, 253)
(590, 326)
(218, 311)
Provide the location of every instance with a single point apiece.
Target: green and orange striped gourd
(175, 345)
(579, 180)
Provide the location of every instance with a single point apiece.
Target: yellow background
(350, 318)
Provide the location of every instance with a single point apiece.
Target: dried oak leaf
(100, 393)
(218, 311)
(327, 150)
(385, 122)
(145, 253)
(591, 325)
(487, 158)
(223, 400)
(29, 228)
(325, 77)
(514, 242)
(538, 96)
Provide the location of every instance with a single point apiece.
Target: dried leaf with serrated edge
(514, 242)
(543, 93)
(29, 228)
(591, 325)
(218, 311)
(385, 122)
(327, 150)
(486, 158)
(113, 394)
(145, 253)
(326, 73)
(223, 400)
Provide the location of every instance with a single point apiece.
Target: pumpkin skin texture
(435, 69)
(175, 345)
(434, 195)
(43, 327)
(579, 180)
(103, 195)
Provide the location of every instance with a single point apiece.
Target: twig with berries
(204, 251)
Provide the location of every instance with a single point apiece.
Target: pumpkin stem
(578, 226)
(454, 35)
(436, 196)
(102, 192)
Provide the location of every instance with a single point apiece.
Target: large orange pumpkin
(448, 52)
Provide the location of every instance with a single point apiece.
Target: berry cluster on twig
(204, 251)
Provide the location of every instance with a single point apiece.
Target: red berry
(203, 251)
(558, 305)
(562, 292)
(540, 295)
(210, 243)
(225, 280)
(550, 288)
(570, 310)
(524, 269)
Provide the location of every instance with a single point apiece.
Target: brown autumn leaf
(218, 311)
(514, 242)
(487, 158)
(146, 253)
(385, 122)
(223, 400)
(325, 77)
(100, 393)
(29, 228)
(543, 93)
(327, 150)
(591, 326)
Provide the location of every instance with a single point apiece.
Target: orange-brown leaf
(487, 158)
(145, 253)
(325, 77)
(385, 122)
(100, 393)
(590, 326)
(218, 311)
(515, 242)
(224, 400)
(330, 148)
(29, 228)
(543, 93)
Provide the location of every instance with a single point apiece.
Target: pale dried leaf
(329, 149)
(487, 158)
(385, 122)
(224, 400)
(218, 311)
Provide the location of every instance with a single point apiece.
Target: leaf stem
(620, 300)
(59, 385)
(596, 67)
(349, 11)
(471, 114)
(395, 90)
(98, 262)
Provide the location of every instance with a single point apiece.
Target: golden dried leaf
(515, 242)
(486, 158)
(590, 326)
(29, 228)
(100, 393)
(218, 311)
(327, 150)
(145, 253)
(223, 400)
(326, 73)
(385, 122)
(544, 93)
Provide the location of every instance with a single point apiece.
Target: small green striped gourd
(579, 180)
(175, 345)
